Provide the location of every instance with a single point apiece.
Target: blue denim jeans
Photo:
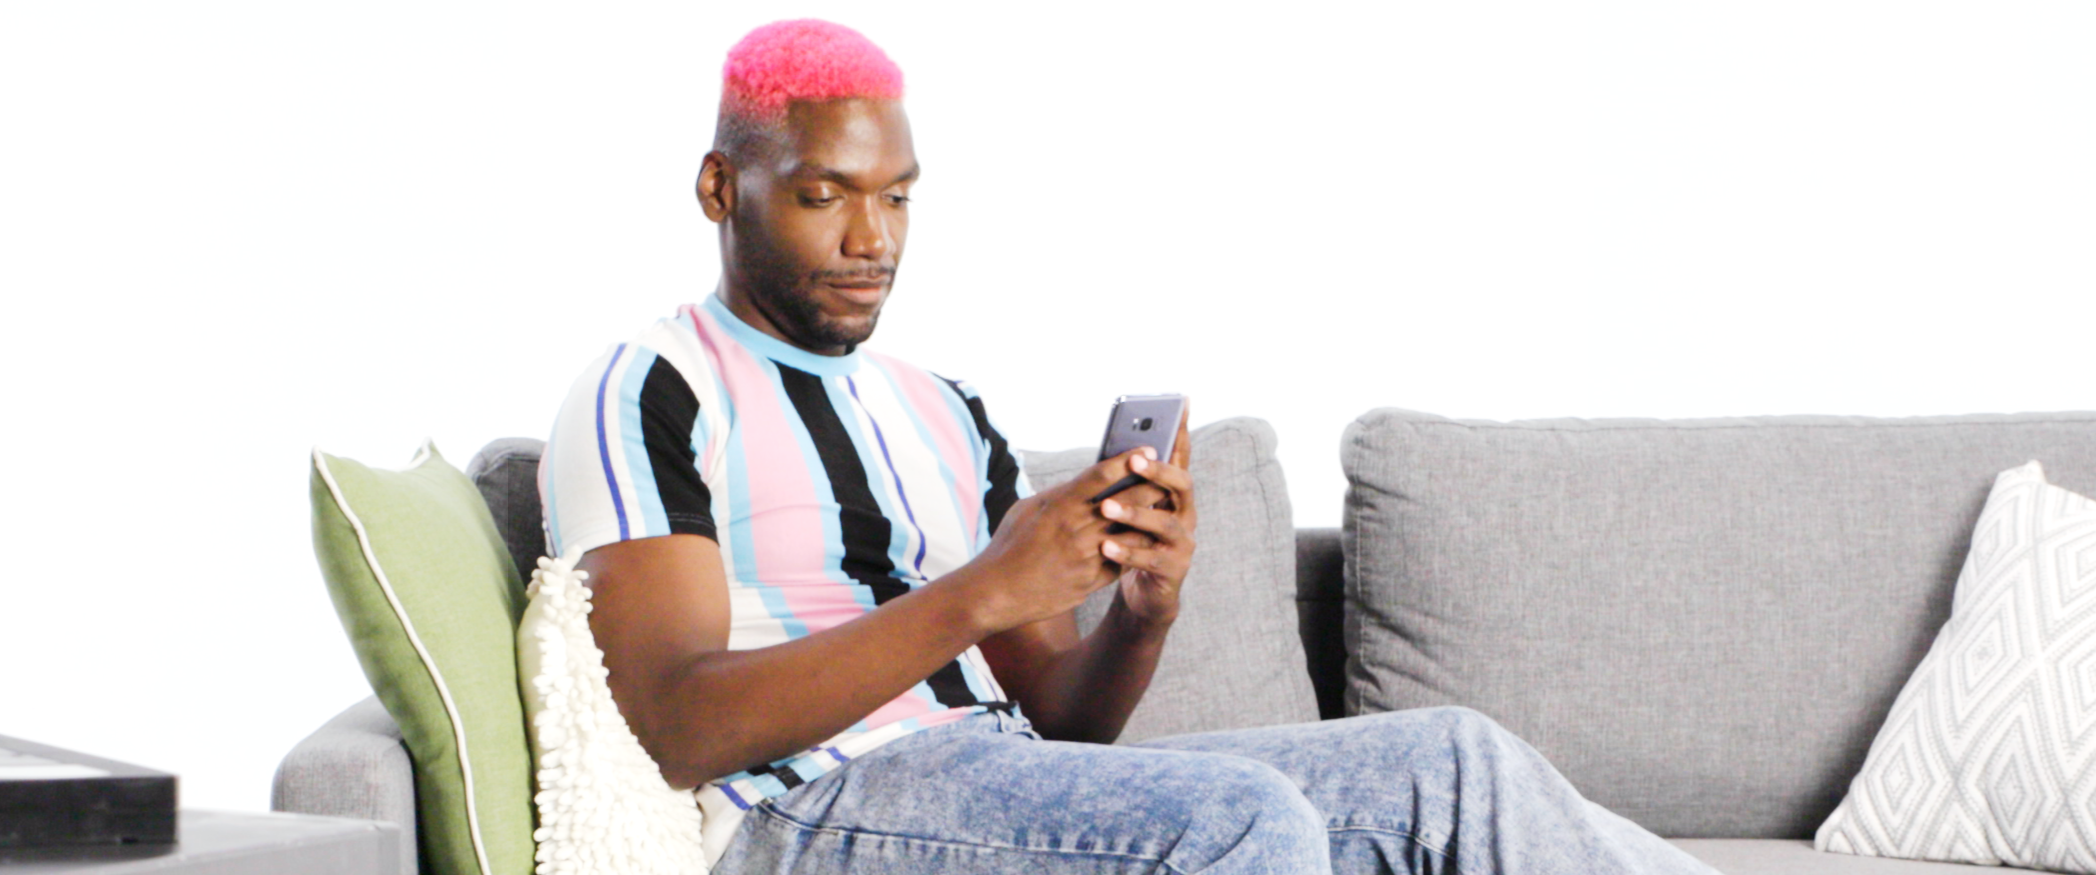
(1441, 790)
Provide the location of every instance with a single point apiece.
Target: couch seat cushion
(1793, 857)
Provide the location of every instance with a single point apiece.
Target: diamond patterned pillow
(1989, 753)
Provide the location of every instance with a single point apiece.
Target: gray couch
(1701, 623)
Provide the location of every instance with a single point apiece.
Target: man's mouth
(865, 291)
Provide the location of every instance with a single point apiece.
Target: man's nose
(868, 233)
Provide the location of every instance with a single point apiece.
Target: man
(827, 600)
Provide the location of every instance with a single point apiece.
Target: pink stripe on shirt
(787, 533)
(934, 405)
(788, 536)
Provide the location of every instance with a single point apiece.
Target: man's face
(818, 219)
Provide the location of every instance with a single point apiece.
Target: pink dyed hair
(803, 59)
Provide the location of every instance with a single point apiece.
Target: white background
(230, 232)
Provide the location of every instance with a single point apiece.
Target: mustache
(884, 274)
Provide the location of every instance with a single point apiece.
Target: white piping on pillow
(603, 805)
(451, 712)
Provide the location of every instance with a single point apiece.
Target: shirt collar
(778, 350)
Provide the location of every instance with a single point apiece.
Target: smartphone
(1140, 421)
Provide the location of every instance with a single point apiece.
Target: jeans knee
(1278, 801)
(1265, 824)
(1465, 724)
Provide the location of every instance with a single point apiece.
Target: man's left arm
(1082, 688)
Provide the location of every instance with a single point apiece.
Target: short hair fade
(802, 59)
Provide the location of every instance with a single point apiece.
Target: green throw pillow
(430, 599)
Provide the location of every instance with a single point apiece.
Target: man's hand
(1049, 553)
(1083, 688)
(1156, 555)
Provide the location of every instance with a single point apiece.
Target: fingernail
(1111, 549)
(1139, 463)
(1111, 508)
(1149, 452)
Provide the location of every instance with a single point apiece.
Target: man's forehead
(871, 175)
(854, 138)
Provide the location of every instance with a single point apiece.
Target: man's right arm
(661, 616)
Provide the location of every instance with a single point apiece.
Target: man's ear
(716, 187)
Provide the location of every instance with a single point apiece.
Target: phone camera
(1144, 423)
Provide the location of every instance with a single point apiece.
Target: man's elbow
(681, 757)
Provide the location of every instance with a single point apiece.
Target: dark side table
(230, 843)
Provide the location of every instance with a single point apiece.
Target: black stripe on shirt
(950, 687)
(786, 776)
(866, 530)
(1004, 471)
(669, 414)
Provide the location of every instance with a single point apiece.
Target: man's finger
(1135, 557)
(1163, 525)
(1117, 468)
(1172, 478)
(1183, 447)
(1143, 494)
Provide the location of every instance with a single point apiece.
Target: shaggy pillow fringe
(603, 805)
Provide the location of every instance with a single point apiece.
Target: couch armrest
(1320, 612)
(353, 766)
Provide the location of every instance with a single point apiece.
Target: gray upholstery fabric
(1233, 658)
(1320, 606)
(507, 473)
(1793, 857)
(352, 766)
(1701, 623)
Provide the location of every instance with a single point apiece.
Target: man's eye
(898, 199)
(819, 200)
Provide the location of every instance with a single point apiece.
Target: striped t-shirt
(832, 484)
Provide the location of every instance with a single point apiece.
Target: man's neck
(745, 308)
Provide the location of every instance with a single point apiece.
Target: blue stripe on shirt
(652, 520)
(611, 479)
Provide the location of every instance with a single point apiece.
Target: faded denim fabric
(1440, 790)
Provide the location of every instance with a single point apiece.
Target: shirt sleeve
(623, 459)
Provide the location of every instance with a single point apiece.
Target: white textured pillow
(603, 805)
(1989, 754)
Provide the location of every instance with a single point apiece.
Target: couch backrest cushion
(1233, 658)
(1702, 623)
